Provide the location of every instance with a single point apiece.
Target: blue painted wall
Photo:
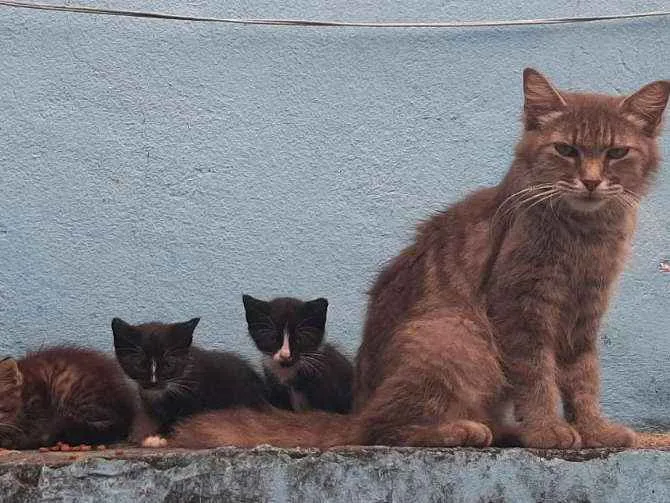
(157, 170)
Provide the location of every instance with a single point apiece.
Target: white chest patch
(153, 371)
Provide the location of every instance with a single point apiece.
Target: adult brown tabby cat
(496, 306)
(509, 285)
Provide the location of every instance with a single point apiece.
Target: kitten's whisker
(11, 427)
(315, 364)
(313, 369)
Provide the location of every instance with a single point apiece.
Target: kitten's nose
(591, 185)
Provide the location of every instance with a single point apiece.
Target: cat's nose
(591, 185)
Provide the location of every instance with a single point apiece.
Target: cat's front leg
(536, 395)
(579, 380)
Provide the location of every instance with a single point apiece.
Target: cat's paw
(154, 442)
(465, 433)
(604, 434)
(555, 435)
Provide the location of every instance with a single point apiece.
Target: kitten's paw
(154, 442)
(465, 433)
(557, 435)
(604, 434)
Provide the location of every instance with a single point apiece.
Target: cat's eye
(617, 153)
(566, 150)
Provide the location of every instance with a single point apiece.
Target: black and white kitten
(301, 371)
(176, 379)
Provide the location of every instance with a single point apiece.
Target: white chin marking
(283, 374)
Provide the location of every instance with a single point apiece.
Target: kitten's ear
(646, 106)
(255, 307)
(315, 311)
(10, 375)
(541, 100)
(124, 334)
(182, 333)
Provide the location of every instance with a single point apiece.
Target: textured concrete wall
(157, 170)
(368, 475)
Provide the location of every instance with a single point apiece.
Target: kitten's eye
(617, 153)
(566, 150)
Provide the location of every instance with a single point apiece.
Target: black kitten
(177, 379)
(301, 371)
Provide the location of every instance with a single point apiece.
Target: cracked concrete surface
(352, 474)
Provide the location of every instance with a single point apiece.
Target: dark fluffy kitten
(177, 379)
(301, 371)
(63, 394)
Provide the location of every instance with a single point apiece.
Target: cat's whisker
(627, 201)
(313, 369)
(503, 211)
(532, 198)
(541, 200)
(634, 195)
(316, 365)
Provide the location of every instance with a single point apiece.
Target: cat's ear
(314, 313)
(10, 375)
(182, 333)
(125, 335)
(259, 322)
(252, 303)
(542, 100)
(646, 106)
(255, 308)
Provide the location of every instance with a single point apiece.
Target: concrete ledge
(348, 475)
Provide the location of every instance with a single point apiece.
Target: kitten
(63, 394)
(498, 302)
(176, 379)
(301, 370)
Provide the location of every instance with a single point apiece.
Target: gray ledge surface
(367, 475)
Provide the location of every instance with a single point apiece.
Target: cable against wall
(307, 22)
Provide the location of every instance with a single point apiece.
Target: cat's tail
(652, 440)
(244, 427)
